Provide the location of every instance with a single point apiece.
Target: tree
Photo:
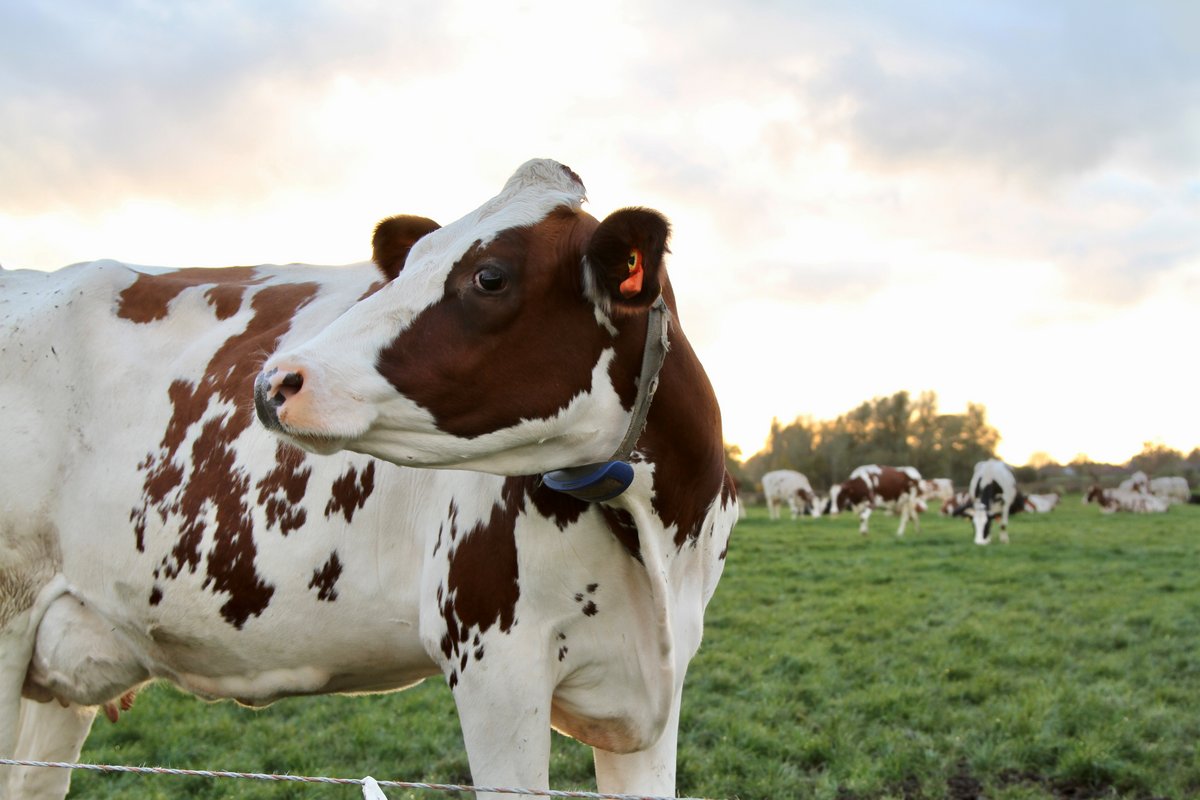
(891, 430)
(1157, 459)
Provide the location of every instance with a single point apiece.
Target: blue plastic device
(591, 482)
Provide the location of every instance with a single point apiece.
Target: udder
(79, 658)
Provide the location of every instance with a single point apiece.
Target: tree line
(901, 431)
(896, 430)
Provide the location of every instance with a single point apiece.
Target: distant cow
(791, 487)
(1171, 489)
(872, 486)
(957, 505)
(1113, 500)
(993, 491)
(1041, 503)
(937, 488)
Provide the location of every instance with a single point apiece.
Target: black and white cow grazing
(993, 490)
(150, 528)
(872, 486)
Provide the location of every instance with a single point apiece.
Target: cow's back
(97, 359)
(133, 468)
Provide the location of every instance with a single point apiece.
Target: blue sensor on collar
(591, 482)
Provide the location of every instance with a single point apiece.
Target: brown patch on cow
(214, 486)
(281, 490)
(372, 289)
(891, 483)
(562, 508)
(624, 530)
(539, 328)
(156, 596)
(853, 492)
(483, 582)
(324, 580)
(149, 297)
(349, 493)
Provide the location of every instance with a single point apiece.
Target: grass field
(1064, 665)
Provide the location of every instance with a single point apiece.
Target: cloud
(102, 99)
(1029, 90)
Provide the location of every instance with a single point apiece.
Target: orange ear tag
(633, 284)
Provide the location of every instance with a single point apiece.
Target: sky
(998, 202)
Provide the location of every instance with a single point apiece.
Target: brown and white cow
(150, 528)
(872, 486)
(1113, 500)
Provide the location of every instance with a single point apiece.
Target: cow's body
(994, 494)
(1113, 500)
(1173, 489)
(872, 486)
(150, 528)
(791, 488)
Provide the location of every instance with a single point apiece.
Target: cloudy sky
(999, 202)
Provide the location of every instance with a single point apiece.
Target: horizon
(998, 204)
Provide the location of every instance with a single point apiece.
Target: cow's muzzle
(272, 390)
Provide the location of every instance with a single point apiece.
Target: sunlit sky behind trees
(996, 202)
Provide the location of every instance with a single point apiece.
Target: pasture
(1064, 665)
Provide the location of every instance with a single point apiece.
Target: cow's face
(817, 506)
(508, 341)
(981, 518)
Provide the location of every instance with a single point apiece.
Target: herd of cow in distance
(992, 495)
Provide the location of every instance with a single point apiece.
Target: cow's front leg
(646, 772)
(864, 517)
(908, 511)
(18, 631)
(504, 710)
(1004, 526)
(48, 732)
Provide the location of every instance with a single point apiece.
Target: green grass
(1064, 665)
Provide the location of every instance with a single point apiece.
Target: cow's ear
(394, 237)
(625, 258)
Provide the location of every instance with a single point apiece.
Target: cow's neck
(683, 441)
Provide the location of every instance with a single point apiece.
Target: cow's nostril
(287, 387)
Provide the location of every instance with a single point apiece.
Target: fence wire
(262, 776)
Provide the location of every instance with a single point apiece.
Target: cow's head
(817, 505)
(508, 341)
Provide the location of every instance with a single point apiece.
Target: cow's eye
(490, 280)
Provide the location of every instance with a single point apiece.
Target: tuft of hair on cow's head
(394, 237)
(624, 261)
